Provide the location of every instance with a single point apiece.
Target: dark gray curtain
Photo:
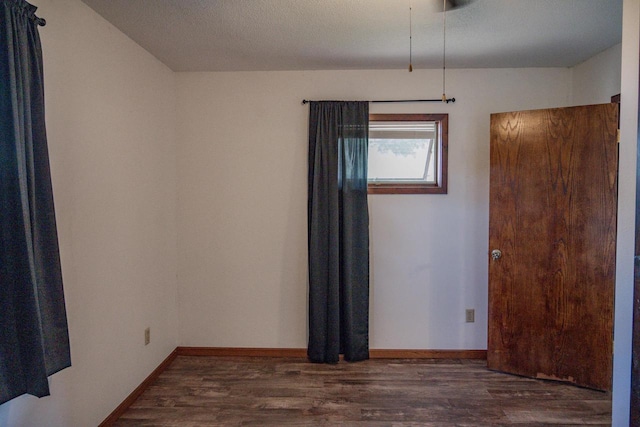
(338, 231)
(34, 341)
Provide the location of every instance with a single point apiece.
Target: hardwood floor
(251, 391)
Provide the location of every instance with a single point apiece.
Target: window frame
(440, 187)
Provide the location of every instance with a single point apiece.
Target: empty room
(319, 212)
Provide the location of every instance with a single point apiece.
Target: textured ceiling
(235, 35)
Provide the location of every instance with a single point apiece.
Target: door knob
(496, 254)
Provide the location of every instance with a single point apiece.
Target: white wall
(597, 79)
(242, 173)
(626, 213)
(111, 125)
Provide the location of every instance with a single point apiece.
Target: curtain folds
(34, 340)
(338, 222)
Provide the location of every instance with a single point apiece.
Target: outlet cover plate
(470, 314)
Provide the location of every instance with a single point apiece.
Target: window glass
(403, 152)
(407, 153)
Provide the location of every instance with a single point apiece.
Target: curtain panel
(338, 222)
(34, 340)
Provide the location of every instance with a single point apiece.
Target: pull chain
(410, 39)
(444, 48)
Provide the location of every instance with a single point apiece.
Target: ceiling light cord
(410, 39)
(444, 49)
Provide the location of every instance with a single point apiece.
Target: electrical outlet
(147, 336)
(470, 314)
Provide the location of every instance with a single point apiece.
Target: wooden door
(553, 196)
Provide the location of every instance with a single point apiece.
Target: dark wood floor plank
(248, 391)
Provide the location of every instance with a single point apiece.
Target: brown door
(553, 196)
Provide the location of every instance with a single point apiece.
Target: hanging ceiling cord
(444, 48)
(410, 39)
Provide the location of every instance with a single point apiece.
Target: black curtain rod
(306, 101)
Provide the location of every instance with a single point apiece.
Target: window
(407, 154)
